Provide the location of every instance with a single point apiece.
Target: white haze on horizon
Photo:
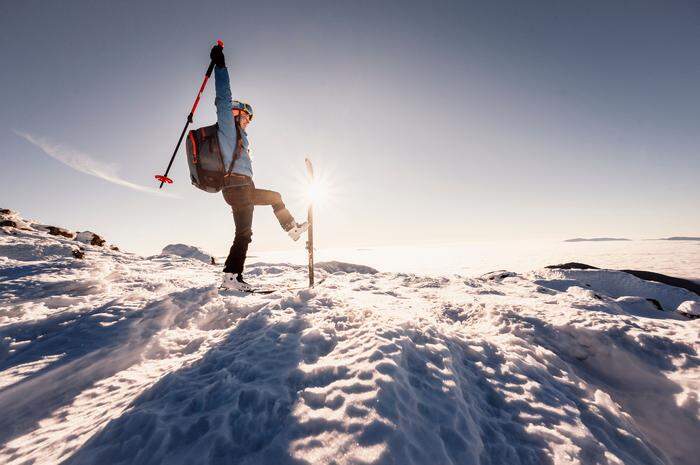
(675, 258)
(84, 163)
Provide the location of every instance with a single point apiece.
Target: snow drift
(187, 251)
(117, 358)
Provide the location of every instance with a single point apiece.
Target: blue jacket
(227, 126)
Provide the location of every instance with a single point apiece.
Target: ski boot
(296, 230)
(232, 282)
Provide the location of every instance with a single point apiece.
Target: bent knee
(243, 234)
(277, 203)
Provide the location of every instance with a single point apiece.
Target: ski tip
(309, 166)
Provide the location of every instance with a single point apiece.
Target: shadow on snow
(91, 352)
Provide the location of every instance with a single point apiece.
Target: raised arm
(223, 101)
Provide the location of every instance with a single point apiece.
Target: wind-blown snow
(122, 359)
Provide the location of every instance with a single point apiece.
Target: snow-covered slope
(116, 358)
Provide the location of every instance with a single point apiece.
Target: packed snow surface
(120, 359)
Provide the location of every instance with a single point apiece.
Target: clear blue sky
(434, 121)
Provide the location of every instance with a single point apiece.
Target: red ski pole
(164, 177)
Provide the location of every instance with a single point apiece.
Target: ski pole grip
(220, 43)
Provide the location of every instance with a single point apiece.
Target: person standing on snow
(239, 190)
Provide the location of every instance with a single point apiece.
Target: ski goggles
(242, 106)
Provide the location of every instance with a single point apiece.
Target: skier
(239, 190)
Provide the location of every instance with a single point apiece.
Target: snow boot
(297, 230)
(235, 283)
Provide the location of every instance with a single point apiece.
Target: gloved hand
(217, 56)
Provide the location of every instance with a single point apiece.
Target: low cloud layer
(85, 164)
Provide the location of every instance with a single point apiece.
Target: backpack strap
(239, 148)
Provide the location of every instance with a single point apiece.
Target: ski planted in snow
(310, 219)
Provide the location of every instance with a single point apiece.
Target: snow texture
(187, 251)
(690, 307)
(121, 359)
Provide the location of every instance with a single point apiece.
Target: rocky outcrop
(10, 219)
(53, 230)
(11, 223)
(89, 237)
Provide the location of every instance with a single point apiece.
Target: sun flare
(319, 191)
(315, 192)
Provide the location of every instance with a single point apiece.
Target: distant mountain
(680, 238)
(597, 239)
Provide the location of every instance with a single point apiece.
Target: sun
(315, 193)
(318, 191)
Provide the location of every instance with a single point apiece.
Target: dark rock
(5, 211)
(572, 266)
(8, 223)
(77, 253)
(89, 237)
(655, 303)
(56, 231)
(115, 248)
(213, 262)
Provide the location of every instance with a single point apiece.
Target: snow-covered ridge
(11, 222)
(188, 251)
(116, 358)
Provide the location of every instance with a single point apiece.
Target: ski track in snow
(123, 359)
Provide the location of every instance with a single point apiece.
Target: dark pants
(242, 198)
